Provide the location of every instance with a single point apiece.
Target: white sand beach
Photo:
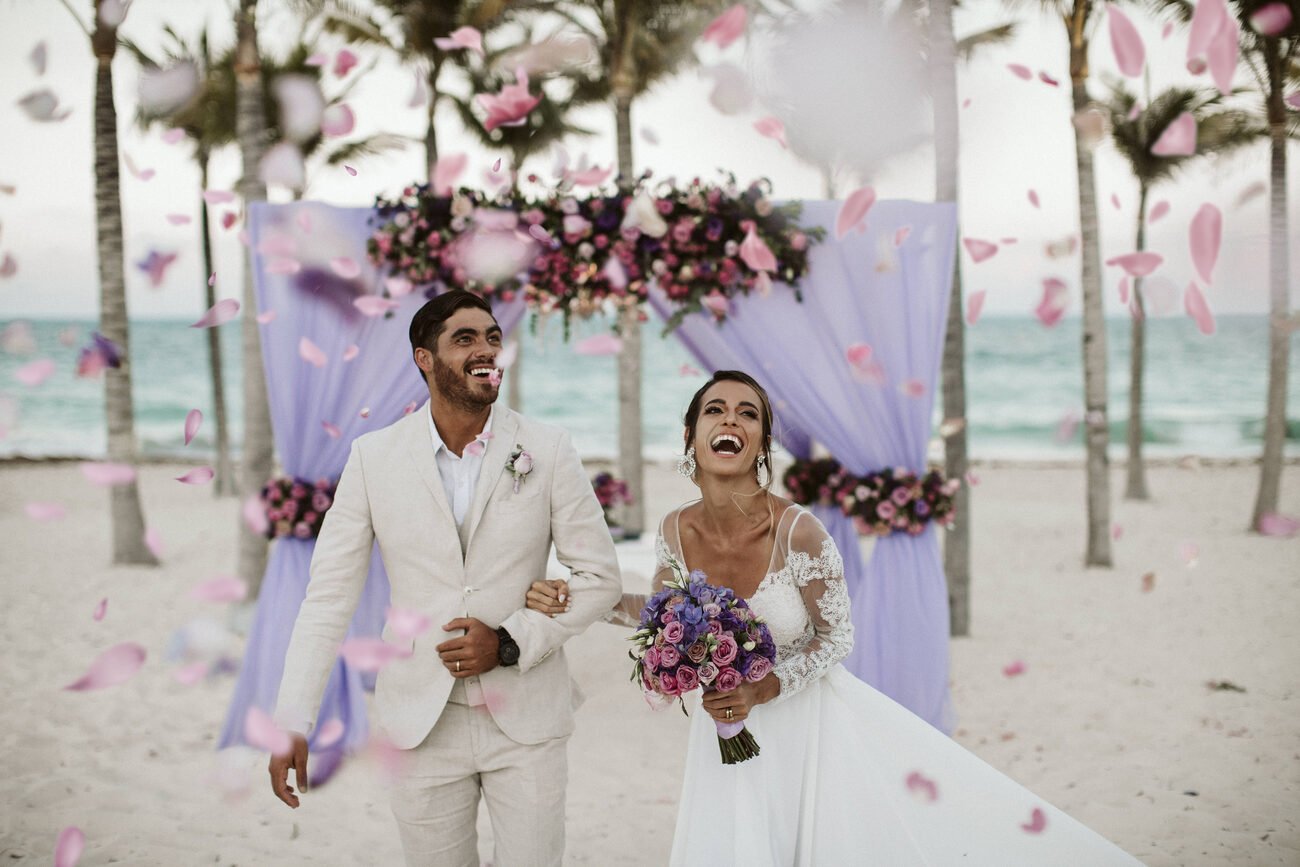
(1112, 719)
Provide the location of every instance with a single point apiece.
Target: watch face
(509, 653)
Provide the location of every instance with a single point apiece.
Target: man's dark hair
(430, 321)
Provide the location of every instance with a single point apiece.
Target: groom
(464, 499)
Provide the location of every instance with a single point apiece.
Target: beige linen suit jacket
(391, 492)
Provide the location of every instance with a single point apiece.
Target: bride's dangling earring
(686, 463)
(758, 470)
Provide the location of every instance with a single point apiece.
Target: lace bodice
(803, 597)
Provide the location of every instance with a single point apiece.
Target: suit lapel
(504, 428)
(420, 447)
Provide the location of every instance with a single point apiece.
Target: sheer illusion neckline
(771, 558)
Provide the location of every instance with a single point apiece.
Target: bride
(846, 775)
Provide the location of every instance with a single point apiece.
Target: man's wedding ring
(458, 665)
(730, 713)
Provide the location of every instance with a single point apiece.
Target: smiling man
(465, 500)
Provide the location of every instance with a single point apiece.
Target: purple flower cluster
(694, 634)
(296, 507)
(891, 500)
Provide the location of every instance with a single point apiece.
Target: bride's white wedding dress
(846, 775)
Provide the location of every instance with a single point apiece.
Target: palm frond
(1000, 35)
(375, 145)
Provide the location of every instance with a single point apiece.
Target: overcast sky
(1016, 135)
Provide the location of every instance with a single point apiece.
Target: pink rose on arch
(725, 652)
(715, 626)
(302, 531)
(687, 679)
(728, 679)
(668, 684)
(708, 672)
(668, 656)
(900, 496)
(886, 509)
(697, 652)
(760, 668)
(674, 632)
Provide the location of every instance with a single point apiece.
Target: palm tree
(1135, 130)
(126, 514)
(409, 28)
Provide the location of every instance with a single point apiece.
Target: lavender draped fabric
(893, 297)
(367, 382)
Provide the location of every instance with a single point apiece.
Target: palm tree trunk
(125, 511)
(224, 483)
(630, 465)
(1279, 339)
(515, 388)
(256, 461)
(1096, 422)
(430, 131)
(943, 88)
(1136, 486)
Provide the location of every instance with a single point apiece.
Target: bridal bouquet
(695, 635)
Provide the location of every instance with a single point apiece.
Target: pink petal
(1206, 234)
(1037, 822)
(1195, 304)
(266, 317)
(303, 219)
(1051, 307)
(320, 58)
(1138, 264)
(365, 412)
(228, 219)
(1223, 54)
(1274, 524)
(974, 305)
(329, 733)
(507, 356)
(218, 197)
(1293, 100)
(1208, 18)
(188, 675)
(344, 61)
(599, 344)
(311, 353)
(34, 373)
(1047, 79)
(446, 170)
(193, 419)
(1007, 242)
(370, 654)
(912, 388)
(716, 303)
(1033, 198)
(1271, 20)
(222, 589)
(45, 511)
(727, 27)
(346, 267)
(331, 429)
(688, 370)
(219, 314)
(178, 219)
(1013, 669)
(901, 235)
(494, 378)
(972, 478)
(338, 120)
(1019, 70)
(351, 352)
(410, 407)
(282, 166)
(965, 103)
(350, 170)
(979, 250)
(1114, 200)
(153, 541)
(407, 624)
(105, 475)
(69, 846)
(261, 732)
(1116, 531)
(197, 476)
(1123, 289)
(922, 787)
(100, 610)
(39, 56)
(772, 128)
(1190, 554)
(1130, 54)
(212, 279)
(283, 266)
(853, 212)
(374, 305)
(113, 667)
(755, 253)
(1178, 139)
(1166, 30)
(173, 135)
(254, 513)
(1158, 210)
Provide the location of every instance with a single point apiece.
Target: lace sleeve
(819, 573)
(628, 611)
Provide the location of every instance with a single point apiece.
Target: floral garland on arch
(296, 507)
(703, 243)
(879, 503)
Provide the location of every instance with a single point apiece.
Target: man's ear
(424, 359)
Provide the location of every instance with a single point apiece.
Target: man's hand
(280, 765)
(472, 653)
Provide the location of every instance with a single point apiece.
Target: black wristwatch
(508, 650)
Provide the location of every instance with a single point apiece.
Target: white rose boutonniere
(520, 464)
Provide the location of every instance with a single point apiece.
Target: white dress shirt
(459, 473)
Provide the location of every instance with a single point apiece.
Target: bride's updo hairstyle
(693, 411)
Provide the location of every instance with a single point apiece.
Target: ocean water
(1205, 395)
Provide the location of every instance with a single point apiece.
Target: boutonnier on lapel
(520, 464)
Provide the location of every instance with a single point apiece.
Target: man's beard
(452, 386)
